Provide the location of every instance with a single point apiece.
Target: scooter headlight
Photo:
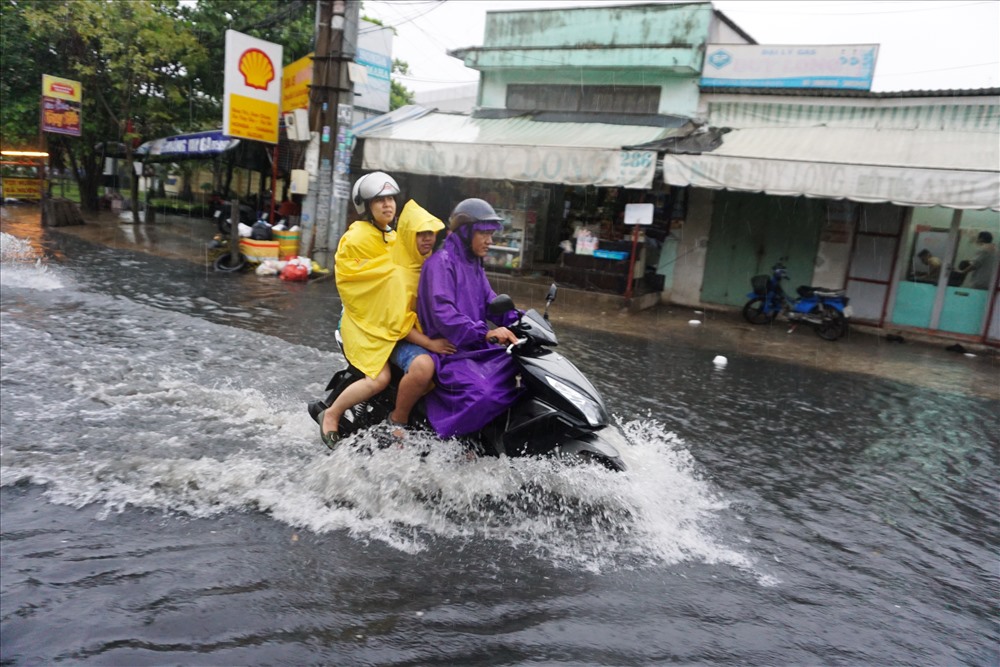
(590, 409)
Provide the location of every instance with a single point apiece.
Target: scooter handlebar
(520, 341)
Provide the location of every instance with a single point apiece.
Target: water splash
(23, 265)
(124, 405)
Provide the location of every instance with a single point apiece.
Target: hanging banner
(188, 146)
(61, 105)
(252, 97)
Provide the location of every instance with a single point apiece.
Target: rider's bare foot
(397, 429)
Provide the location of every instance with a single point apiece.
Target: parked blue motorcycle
(826, 310)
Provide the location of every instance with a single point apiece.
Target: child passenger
(377, 313)
(416, 233)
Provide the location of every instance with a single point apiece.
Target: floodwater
(166, 499)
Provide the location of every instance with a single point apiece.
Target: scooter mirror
(501, 304)
(549, 298)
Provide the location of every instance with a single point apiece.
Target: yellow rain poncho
(376, 312)
(412, 220)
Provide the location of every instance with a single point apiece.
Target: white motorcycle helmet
(370, 186)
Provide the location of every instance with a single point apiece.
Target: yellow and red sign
(22, 188)
(253, 81)
(61, 104)
(295, 84)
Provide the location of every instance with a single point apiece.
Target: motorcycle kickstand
(791, 328)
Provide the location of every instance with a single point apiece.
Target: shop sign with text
(61, 105)
(539, 164)
(850, 66)
(295, 84)
(22, 188)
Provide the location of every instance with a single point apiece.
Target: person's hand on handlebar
(501, 336)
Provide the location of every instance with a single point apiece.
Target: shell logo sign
(252, 99)
(256, 68)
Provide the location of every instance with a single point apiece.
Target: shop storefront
(561, 186)
(947, 272)
(857, 208)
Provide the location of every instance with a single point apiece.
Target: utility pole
(331, 110)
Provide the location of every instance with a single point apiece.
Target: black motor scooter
(560, 414)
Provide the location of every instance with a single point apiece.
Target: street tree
(134, 61)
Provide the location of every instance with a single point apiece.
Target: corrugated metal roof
(522, 131)
(978, 114)
(943, 149)
(953, 168)
(821, 92)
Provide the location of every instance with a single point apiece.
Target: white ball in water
(720, 360)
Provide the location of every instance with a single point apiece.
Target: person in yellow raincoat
(417, 231)
(377, 313)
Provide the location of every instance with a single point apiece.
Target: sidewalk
(920, 359)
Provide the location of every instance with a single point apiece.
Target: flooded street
(166, 498)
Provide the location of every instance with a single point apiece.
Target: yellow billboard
(295, 84)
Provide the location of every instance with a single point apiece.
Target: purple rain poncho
(476, 384)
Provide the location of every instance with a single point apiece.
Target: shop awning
(516, 149)
(955, 169)
(187, 146)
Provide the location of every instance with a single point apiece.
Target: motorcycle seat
(822, 292)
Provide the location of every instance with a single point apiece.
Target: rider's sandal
(329, 438)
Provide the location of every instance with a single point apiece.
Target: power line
(736, 9)
(940, 69)
(423, 80)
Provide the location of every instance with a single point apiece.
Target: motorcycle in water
(560, 414)
(826, 310)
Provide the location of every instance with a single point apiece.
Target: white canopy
(516, 149)
(952, 168)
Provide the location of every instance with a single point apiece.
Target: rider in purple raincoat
(476, 384)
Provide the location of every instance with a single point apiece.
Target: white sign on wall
(849, 66)
(638, 214)
(375, 55)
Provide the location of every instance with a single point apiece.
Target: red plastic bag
(295, 272)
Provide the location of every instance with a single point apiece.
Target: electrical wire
(736, 8)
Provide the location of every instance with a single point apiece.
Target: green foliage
(290, 24)
(155, 66)
(132, 59)
(20, 78)
(399, 95)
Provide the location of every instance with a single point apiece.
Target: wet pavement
(166, 498)
(921, 360)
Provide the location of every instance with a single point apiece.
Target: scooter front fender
(592, 446)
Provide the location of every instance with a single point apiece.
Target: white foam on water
(660, 511)
(116, 410)
(21, 265)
